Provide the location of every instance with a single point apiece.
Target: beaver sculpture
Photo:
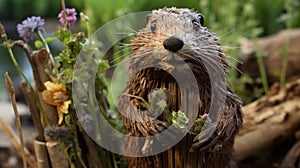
(172, 32)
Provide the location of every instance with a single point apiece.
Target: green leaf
(50, 39)
(38, 44)
(162, 104)
(179, 119)
(103, 66)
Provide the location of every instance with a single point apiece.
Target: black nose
(173, 44)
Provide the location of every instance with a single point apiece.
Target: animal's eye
(201, 19)
(153, 26)
(196, 25)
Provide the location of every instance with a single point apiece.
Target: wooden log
(290, 160)
(41, 154)
(35, 113)
(57, 157)
(93, 155)
(285, 43)
(40, 64)
(39, 61)
(269, 120)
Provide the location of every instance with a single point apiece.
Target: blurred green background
(230, 20)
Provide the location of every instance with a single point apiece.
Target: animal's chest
(186, 98)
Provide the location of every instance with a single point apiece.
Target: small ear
(148, 18)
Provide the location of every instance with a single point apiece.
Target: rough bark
(292, 159)
(269, 120)
(57, 157)
(41, 154)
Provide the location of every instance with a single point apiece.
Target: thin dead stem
(11, 93)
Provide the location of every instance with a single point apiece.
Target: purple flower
(29, 26)
(70, 16)
(56, 133)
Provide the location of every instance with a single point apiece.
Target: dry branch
(14, 139)
(41, 154)
(33, 108)
(11, 92)
(290, 160)
(57, 157)
(40, 63)
(269, 120)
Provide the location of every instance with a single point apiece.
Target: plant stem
(10, 53)
(78, 150)
(262, 69)
(46, 46)
(67, 155)
(11, 92)
(63, 6)
(284, 54)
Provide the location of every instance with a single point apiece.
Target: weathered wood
(11, 93)
(33, 108)
(290, 160)
(40, 64)
(57, 156)
(269, 120)
(92, 155)
(285, 43)
(41, 154)
(39, 61)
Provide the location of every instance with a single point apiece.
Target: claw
(205, 138)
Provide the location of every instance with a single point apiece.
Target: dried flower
(2, 32)
(204, 116)
(56, 94)
(84, 17)
(69, 18)
(29, 26)
(56, 133)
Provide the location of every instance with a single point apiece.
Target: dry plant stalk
(12, 98)
(13, 138)
(33, 108)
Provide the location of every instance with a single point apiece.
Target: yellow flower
(56, 94)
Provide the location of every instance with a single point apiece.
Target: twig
(36, 76)
(63, 6)
(292, 156)
(11, 93)
(40, 60)
(13, 138)
(92, 149)
(26, 48)
(34, 110)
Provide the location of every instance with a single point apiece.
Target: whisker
(225, 34)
